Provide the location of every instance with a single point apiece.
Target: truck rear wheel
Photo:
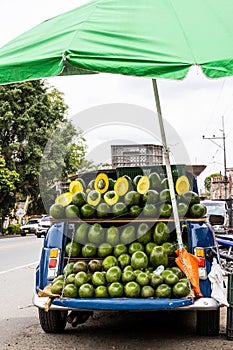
(207, 322)
(52, 321)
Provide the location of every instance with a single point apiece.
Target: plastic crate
(136, 155)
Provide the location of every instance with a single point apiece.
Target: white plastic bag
(159, 270)
(217, 284)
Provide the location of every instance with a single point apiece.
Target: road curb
(9, 236)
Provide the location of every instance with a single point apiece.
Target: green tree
(62, 156)
(8, 182)
(75, 155)
(30, 112)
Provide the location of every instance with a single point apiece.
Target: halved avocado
(76, 186)
(111, 197)
(143, 184)
(135, 180)
(94, 197)
(101, 183)
(121, 186)
(182, 184)
(64, 199)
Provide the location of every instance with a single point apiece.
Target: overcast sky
(192, 107)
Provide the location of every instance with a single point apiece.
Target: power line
(223, 137)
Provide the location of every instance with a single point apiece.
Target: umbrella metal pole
(168, 165)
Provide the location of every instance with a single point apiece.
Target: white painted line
(19, 267)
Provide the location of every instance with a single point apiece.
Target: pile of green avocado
(123, 258)
(133, 261)
(142, 196)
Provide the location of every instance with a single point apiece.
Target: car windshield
(32, 222)
(215, 208)
(47, 218)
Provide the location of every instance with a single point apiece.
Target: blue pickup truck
(199, 240)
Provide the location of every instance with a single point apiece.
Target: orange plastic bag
(188, 263)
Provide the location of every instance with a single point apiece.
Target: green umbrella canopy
(150, 38)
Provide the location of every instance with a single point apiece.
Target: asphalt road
(19, 257)
(18, 252)
(20, 328)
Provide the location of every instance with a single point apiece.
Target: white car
(43, 226)
(217, 215)
(30, 227)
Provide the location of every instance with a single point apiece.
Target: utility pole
(223, 137)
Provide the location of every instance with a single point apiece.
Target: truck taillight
(200, 254)
(53, 263)
(201, 262)
(54, 253)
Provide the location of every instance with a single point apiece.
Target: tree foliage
(30, 114)
(62, 155)
(8, 181)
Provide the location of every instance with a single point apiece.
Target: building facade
(219, 189)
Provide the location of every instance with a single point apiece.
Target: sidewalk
(10, 236)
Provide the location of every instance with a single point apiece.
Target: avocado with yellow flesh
(111, 197)
(143, 184)
(101, 183)
(182, 184)
(121, 186)
(93, 197)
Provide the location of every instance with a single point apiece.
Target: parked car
(30, 227)
(217, 215)
(43, 226)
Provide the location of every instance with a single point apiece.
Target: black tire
(38, 235)
(52, 321)
(208, 322)
(23, 234)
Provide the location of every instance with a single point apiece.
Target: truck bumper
(129, 304)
